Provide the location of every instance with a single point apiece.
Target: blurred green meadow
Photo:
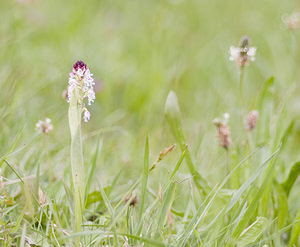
(138, 51)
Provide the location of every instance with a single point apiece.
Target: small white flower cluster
(81, 80)
(242, 54)
(44, 126)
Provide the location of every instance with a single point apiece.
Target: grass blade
(251, 209)
(166, 205)
(172, 113)
(253, 232)
(144, 186)
(295, 232)
(292, 177)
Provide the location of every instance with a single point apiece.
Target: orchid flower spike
(82, 81)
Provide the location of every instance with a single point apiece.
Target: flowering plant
(82, 83)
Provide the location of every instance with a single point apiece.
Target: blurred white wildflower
(292, 21)
(82, 81)
(223, 131)
(222, 121)
(44, 126)
(242, 54)
(251, 120)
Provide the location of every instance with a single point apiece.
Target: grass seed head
(133, 201)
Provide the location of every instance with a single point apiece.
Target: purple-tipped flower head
(79, 65)
(82, 81)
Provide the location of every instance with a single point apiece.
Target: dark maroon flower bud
(79, 65)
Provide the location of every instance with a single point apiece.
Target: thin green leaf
(172, 113)
(144, 186)
(295, 232)
(287, 185)
(177, 166)
(282, 211)
(253, 232)
(252, 206)
(237, 194)
(166, 205)
(93, 165)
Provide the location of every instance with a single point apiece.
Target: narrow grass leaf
(295, 236)
(166, 205)
(172, 113)
(252, 206)
(282, 211)
(93, 165)
(287, 185)
(198, 217)
(177, 166)
(144, 185)
(237, 194)
(111, 212)
(253, 232)
(14, 170)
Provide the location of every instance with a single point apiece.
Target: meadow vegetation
(171, 156)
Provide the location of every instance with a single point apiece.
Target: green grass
(139, 51)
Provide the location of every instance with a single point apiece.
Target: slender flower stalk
(80, 87)
(242, 55)
(46, 127)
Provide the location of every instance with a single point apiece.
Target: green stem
(77, 166)
(241, 89)
(228, 165)
(50, 171)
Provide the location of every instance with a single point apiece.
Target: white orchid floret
(44, 126)
(86, 115)
(81, 80)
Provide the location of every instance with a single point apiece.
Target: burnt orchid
(81, 86)
(81, 81)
